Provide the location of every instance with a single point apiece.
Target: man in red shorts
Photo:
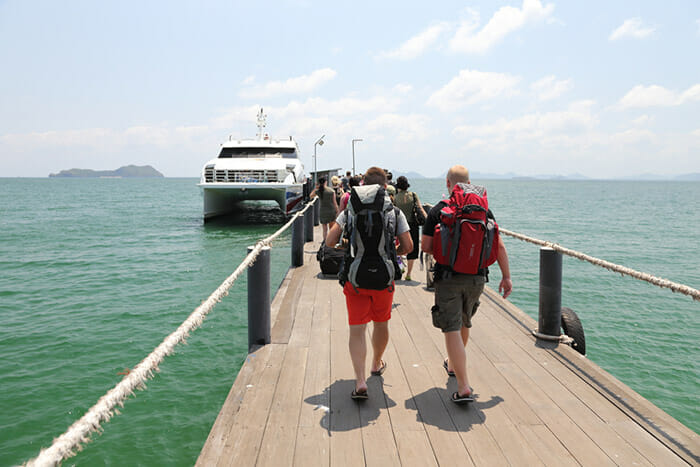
(365, 305)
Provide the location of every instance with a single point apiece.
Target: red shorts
(365, 305)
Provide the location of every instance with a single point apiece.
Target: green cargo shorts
(456, 301)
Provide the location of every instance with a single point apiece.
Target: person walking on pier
(409, 203)
(329, 206)
(459, 279)
(372, 224)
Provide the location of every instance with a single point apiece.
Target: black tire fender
(573, 328)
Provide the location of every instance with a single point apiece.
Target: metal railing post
(259, 300)
(298, 242)
(317, 212)
(549, 321)
(309, 225)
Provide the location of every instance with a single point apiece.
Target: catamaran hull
(223, 198)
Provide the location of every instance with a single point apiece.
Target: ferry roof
(260, 143)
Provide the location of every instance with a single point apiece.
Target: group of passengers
(334, 199)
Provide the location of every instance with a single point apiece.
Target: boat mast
(261, 124)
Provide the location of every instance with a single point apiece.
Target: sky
(597, 88)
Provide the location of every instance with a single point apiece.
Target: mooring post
(317, 212)
(259, 300)
(550, 293)
(298, 242)
(309, 225)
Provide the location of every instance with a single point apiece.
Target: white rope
(684, 289)
(65, 445)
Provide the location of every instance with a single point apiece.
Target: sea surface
(95, 273)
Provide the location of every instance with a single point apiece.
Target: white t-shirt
(401, 222)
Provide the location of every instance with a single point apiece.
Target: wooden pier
(537, 403)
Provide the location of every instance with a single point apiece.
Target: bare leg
(465, 338)
(358, 353)
(410, 266)
(458, 359)
(380, 339)
(465, 335)
(325, 230)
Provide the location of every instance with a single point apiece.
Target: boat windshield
(250, 152)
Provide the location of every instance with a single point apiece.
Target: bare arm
(334, 234)
(506, 285)
(426, 244)
(405, 243)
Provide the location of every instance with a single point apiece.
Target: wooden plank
(410, 437)
(344, 426)
(303, 316)
(428, 400)
(500, 423)
(547, 446)
(249, 374)
(282, 326)
(616, 448)
(245, 435)
(536, 405)
(666, 429)
(313, 436)
(657, 453)
(282, 423)
(415, 449)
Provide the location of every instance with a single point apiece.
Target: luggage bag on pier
(330, 259)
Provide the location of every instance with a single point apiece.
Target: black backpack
(370, 261)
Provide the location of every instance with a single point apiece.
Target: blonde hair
(458, 174)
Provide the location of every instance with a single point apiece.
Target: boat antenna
(261, 124)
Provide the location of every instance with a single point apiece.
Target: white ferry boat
(253, 169)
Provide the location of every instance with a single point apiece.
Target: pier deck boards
(537, 403)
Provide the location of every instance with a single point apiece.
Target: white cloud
(633, 136)
(470, 87)
(505, 21)
(549, 87)
(403, 88)
(161, 136)
(549, 128)
(632, 28)
(412, 127)
(416, 45)
(657, 96)
(643, 120)
(297, 85)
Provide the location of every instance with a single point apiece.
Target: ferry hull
(223, 198)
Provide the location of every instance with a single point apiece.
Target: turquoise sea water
(94, 273)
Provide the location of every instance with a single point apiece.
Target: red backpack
(466, 237)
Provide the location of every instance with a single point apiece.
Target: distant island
(127, 171)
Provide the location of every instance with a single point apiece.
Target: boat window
(228, 153)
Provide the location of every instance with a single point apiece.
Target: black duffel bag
(330, 259)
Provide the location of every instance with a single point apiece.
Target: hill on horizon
(126, 171)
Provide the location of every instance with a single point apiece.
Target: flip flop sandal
(457, 399)
(381, 369)
(359, 396)
(447, 368)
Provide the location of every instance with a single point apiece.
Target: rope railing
(79, 432)
(625, 271)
